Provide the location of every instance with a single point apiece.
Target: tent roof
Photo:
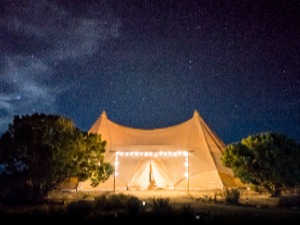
(183, 136)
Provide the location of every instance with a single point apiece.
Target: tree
(267, 159)
(40, 151)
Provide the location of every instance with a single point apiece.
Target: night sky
(150, 64)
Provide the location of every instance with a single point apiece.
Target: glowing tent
(181, 157)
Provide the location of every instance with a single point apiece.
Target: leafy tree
(40, 151)
(267, 159)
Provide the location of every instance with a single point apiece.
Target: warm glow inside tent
(181, 157)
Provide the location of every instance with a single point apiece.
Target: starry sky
(150, 64)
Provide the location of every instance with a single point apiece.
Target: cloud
(27, 91)
(64, 35)
(42, 34)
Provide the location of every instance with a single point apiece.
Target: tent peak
(195, 113)
(103, 114)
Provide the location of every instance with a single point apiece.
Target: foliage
(110, 202)
(267, 159)
(161, 206)
(114, 202)
(40, 151)
(292, 201)
(80, 208)
(232, 196)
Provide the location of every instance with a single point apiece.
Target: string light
(153, 154)
(117, 163)
(186, 164)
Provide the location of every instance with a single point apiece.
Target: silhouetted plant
(134, 206)
(80, 208)
(41, 151)
(118, 202)
(161, 206)
(14, 192)
(101, 201)
(232, 196)
(289, 201)
(186, 209)
(266, 159)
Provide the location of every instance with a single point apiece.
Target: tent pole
(114, 188)
(188, 174)
(114, 181)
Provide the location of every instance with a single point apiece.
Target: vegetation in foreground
(127, 208)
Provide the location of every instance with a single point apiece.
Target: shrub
(289, 201)
(80, 208)
(186, 209)
(109, 202)
(101, 201)
(133, 206)
(161, 206)
(232, 196)
(118, 202)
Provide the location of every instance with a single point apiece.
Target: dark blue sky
(150, 64)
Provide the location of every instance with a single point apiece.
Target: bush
(80, 208)
(108, 202)
(232, 196)
(161, 206)
(257, 188)
(118, 202)
(290, 201)
(101, 201)
(12, 191)
(133, 206)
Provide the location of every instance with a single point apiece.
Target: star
(239, 70)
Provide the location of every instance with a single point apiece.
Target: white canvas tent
(181, 157)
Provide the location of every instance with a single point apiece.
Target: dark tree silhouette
(40, 151)
(267, 159)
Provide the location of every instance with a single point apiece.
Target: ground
(203, 207)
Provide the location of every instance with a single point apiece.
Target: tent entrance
(150, 170)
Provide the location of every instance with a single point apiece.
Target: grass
(157, 207)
